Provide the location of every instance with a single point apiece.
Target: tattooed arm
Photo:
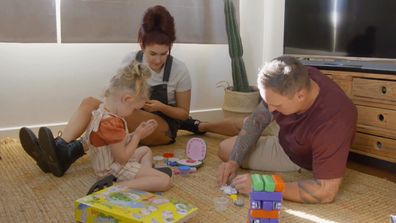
(250, 133)
(246, 140)
(312, 191)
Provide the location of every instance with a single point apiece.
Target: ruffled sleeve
(111, 130)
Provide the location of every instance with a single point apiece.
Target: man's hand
(153, 106)
(226, 172)
(146, 128)
(242, 183)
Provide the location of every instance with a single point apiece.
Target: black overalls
(160, 93)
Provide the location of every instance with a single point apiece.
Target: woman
(169, 102)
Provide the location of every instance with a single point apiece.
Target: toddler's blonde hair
(132, 78)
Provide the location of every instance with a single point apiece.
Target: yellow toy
(121, 204)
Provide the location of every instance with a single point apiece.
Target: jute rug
(28, 195)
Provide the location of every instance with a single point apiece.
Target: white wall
(42, 84)
(262, 24)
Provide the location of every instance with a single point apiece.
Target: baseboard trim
(13, 132)
(207, 115)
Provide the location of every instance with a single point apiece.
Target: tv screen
(341, 28)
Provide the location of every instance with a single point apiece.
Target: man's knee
(223, 151)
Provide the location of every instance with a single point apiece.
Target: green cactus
(239, 77)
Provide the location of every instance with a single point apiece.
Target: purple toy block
(268, 205)
(266, 196)
(255, 205)
(273, 221)
(277, 205)
(258, 220)
(254, 220)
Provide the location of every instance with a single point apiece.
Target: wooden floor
(372, 166)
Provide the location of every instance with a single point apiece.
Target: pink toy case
(195, 151)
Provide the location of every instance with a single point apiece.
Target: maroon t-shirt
(319, 139)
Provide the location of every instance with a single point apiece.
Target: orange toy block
(264, 214)
(279, 183)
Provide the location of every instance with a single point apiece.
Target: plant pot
(241, 102)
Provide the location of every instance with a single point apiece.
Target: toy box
(121, 204)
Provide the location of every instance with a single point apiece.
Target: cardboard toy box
(121, 204)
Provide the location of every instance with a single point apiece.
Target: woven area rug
(28, 195)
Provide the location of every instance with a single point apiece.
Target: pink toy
(195, 151)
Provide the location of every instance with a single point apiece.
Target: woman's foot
(191, 125)
(31, 146)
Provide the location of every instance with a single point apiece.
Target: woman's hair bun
(157, 20)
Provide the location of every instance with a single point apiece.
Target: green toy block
(257, 182)
(269, 184)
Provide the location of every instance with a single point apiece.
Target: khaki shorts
(268, 154)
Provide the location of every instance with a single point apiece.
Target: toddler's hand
(146, 128)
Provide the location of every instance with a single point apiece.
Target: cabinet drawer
(344, 82)
(372, 88)
(378, 147)
(376, 117)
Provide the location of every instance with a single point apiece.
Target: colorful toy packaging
(121, 204)
(265, 198)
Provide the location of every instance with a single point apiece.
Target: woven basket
(242, 102)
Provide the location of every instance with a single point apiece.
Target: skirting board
(207, 115)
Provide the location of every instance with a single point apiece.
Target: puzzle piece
(228, 189)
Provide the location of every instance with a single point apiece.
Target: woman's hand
(146, 128)
(242, 183)
(153, 106)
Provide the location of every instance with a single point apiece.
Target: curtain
(27, 21)
(108, 21)
(113, 21)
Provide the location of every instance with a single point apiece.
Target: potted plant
(240, 97)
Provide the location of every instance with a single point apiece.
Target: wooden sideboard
(374, 95)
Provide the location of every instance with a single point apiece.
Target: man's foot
(103, 183)
(191, 125)
(31, 146)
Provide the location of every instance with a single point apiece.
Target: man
(317, 124)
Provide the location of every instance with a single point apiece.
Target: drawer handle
(383, 90)
(378, 145)
(381, 117)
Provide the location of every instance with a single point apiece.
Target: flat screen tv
(363, 30)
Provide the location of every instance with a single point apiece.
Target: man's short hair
(284, 75)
